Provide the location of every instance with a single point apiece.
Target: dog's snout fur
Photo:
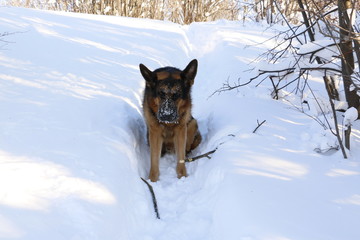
(168, 112)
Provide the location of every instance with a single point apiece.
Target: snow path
(72, 138)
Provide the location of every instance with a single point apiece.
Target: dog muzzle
(168, 112)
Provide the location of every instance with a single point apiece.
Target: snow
(73, 140)
(350, 116)
(324, 48)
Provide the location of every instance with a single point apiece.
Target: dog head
(168, 87)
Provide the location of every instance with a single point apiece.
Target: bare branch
(259, 125)
(200, 156)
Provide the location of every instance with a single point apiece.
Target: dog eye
(175, 96)
(162, 94)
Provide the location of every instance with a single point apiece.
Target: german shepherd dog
(167, 112)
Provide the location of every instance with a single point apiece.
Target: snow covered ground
(72, 138)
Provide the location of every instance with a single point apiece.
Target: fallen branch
(200, 156)
(153, 198)
(259, 125)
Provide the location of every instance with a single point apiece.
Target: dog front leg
(180, 145)
(155, 140)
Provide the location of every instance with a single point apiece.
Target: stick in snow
(153, 198)
(259, 124)
(200, 156)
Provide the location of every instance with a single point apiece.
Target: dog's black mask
(169, 85)
(169, 92)
(167, 111)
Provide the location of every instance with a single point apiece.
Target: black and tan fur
(167, 112)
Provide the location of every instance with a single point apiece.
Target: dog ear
(146, 73)
(190, 71)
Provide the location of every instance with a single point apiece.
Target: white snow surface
(350, 116)
(73, 139)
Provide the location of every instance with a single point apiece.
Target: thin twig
(259, 125)
(336, 124)
(153, 198)
(200, 156)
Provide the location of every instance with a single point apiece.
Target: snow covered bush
(312, 53)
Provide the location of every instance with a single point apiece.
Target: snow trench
(73, 139)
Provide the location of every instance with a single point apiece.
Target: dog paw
(181, 170)
(154, 175)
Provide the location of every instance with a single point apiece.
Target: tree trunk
(347, 59)
(329, 82)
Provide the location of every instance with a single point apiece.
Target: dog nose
(167, 112)
(167, 118)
